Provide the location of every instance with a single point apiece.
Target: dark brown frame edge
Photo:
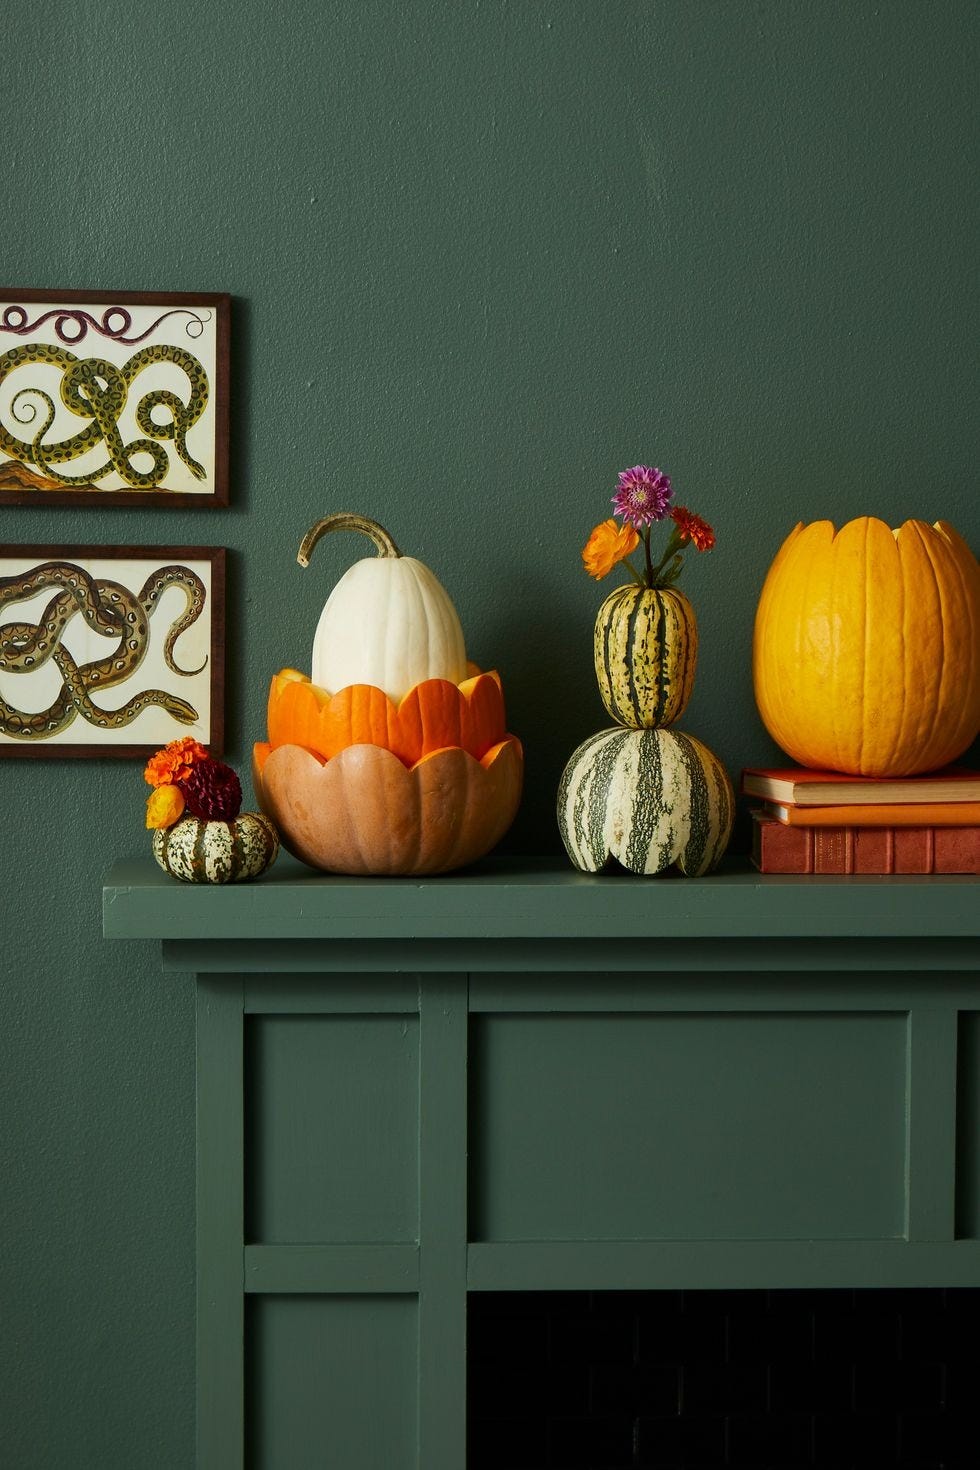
(221, 301)
(217, 556)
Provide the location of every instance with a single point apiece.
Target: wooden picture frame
(110, 650)
(110, 398)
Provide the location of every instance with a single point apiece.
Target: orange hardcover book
(797, 786)
(778, 848)
(888, 814)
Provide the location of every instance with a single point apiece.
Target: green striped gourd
(198, 851)
(646, 652)
(646, 799)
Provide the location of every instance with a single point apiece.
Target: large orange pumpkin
(866, 650)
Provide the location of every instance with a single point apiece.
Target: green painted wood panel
(968, 1127)
(693, 1265)
(688, 1126)
(442, 1204)
(654, 954)
(332, 1383)
(220, 1170)
(350, 1267)
(931, 1115)
(789, 990)
(332, 1128)
(268, 992)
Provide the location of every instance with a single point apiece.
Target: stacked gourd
(643, 794)
(394, 757)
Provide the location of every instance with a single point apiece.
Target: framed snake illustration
(110, 651)
(107, 397)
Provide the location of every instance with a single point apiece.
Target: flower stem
(674, 545)
(646, 553)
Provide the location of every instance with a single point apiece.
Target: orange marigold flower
(174, 761)
(693, 528)
(164, 806)
(607, 545)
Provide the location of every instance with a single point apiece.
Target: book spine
(885, 814)
(777, 848)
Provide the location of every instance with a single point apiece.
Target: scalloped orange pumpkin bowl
(357, 782)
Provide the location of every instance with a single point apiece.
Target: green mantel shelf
(518, 1077)
(521, 898)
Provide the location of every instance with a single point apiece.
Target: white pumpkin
(388, 622)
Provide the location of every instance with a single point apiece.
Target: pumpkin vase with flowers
(646, 632)
(643, 796)
(200, 834)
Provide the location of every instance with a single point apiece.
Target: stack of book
(825, 822)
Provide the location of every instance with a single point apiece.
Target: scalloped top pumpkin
(433, 715)
(388, 622)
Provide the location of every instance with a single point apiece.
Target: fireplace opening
(676, 1379)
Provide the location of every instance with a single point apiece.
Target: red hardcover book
(778, 848)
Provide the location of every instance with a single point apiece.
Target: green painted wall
(483, 255)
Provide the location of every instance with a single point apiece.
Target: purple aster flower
(643, 495)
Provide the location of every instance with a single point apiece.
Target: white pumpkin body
(388, 622)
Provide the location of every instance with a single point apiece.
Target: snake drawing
(95, 389)
(112, 611)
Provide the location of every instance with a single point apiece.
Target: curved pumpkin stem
(345, 520)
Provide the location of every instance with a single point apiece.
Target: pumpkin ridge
(197, 850)
(648, 778)
(913, 541)
(939, 704)
(697, 833)
(964, 730)
(865, 651)
(790, 586)
(724, 806)
(605, 767)
(786, 587)
(970, 715)
(629, 653)
(899, 737)
(654, 615)
(831, 752)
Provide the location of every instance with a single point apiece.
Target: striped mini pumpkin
(197, 851)
(646, 799)
(646, 652)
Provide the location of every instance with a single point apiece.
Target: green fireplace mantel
(518, 1077)
(524, 898)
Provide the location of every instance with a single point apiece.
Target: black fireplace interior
(770, 1380)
